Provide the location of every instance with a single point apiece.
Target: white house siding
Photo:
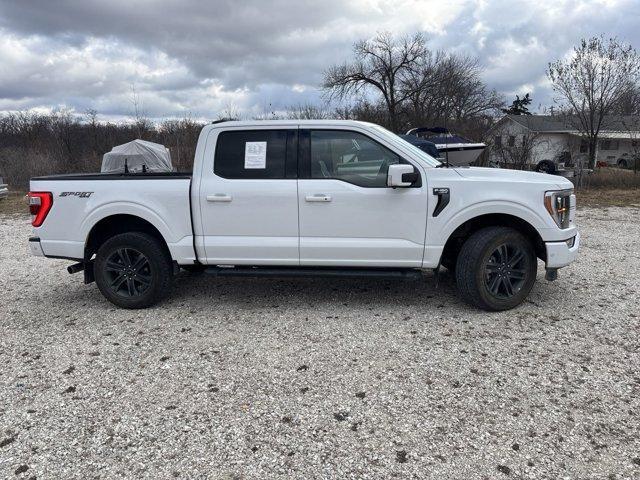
(547, 146)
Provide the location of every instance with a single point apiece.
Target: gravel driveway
(237, 378)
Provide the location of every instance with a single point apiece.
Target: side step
(405, 273)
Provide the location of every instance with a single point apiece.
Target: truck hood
(513, 176)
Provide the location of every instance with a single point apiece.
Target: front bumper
(35, 248)
(561, 254)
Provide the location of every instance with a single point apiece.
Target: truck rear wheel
(133, 270)
(496, 268)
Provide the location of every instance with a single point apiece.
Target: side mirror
(401, 175)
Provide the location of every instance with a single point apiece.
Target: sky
(202, 59)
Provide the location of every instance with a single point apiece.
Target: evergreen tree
(519, 106)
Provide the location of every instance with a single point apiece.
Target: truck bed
(81, 201)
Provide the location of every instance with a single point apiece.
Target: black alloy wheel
(496, 268)
(506, 270)
(129, 272)
(133, 270)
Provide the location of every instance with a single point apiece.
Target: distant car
(627, 160)
(4, 189)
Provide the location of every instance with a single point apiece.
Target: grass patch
(611, 177)
(608, 197)
(14, 204)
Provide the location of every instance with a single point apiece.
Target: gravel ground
(236, 378)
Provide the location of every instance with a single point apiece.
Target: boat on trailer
(454, 149)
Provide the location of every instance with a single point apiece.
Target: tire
(449, 264)
(133, 270)
(622, 163)
(546, 166)
(496, 269)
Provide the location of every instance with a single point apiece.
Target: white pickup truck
(333, 198)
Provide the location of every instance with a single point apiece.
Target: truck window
(251, 154)
(350, 156)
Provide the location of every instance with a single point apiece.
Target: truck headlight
(559, 205)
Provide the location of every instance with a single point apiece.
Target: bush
(610, 177)
(18, 165)
(34, 144)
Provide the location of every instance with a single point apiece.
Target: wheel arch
(470, 226)
(112, 225)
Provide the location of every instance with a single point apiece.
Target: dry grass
(14, 204)
(610, 177)
(609, 197)
(610, 187)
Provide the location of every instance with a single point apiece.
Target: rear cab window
(256, 154)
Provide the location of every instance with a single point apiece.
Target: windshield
(393, 138)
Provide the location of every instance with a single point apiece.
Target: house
(549, 142)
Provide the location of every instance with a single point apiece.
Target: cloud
(198, 58)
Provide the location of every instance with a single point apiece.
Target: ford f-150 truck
(325, 197)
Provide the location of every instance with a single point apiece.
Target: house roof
(567, 123)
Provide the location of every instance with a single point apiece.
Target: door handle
(318, 197)
(219, 197)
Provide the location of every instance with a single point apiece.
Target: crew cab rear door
(348, 215)
(248, 197)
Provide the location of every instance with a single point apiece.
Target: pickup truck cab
(307, 198)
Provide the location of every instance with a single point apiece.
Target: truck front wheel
(133, 270)
(496, 268)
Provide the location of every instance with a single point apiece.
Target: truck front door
(348, 215)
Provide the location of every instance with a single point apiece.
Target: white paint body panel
(270, 222)
(162, 202)
(559, 254)
(361, 226)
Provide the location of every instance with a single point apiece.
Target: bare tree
(34, 144)
(381, 64)
(592, 82)
(181, 138)
(520, 154)
(229, 112)
(268, 112)
(306, 111)
(91, 116)
(143, 124)
(629, 103)
(425, 89)
(468, 96)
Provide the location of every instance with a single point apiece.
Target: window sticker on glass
(255, 155)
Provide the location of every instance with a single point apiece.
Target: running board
(407, 273)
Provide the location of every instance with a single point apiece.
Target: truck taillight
(39, 204)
